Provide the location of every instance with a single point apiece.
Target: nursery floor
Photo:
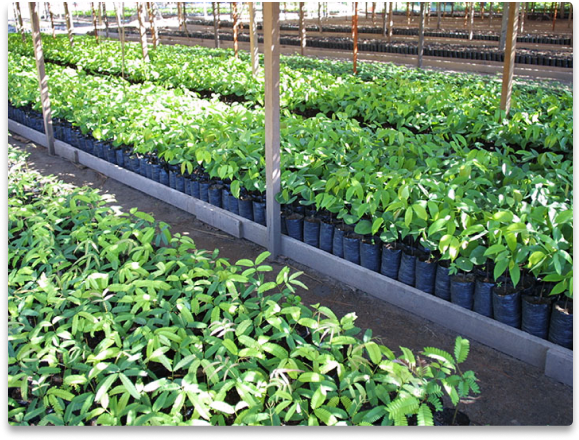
(512, 392)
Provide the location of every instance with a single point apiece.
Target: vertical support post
(153, 23)
(373, 13)
(320, 17)
(142, 32)
(511, 46)
(504, 25)
(523, 16)
(106, 19)
(408, 13)
(355, 36)
(19, 23)
(51, 15)
(216, 23)
(384, 20)
(438, 15)
(119, 10)
(94, 22)
(42, 78)
(235, 28)
(570, 21)
(471, 22)
(302, 30)
(253, 40)
(272, 124)
(421, 34)
(390, 21)
(68, 19)
(179, 16)
(467, 6)
(555, 16)
(490, 14)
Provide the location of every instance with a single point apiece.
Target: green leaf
(420, 211)
(310, 377)
(374, 352)
(461, 349)
(129, 386)
(231, 347)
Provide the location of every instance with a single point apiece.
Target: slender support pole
(555, 16)
(179, 16)
(19, 23)
(94, 23)
(106, 19)
(216, 23)
(143, 32)
(119, 10)
(235, 28)
(504, 25)
(511, 46)
(390, 21)
(320, 17)
(302, 30)
(42, 78)
(490, 14)
(253, 40)
(272, 125)
(408, 13)
(384, 20)
(471, 22)
(355, 36)
(51, 15)
(421, 34)
(68, 19)
(153, 23)
(438, 15)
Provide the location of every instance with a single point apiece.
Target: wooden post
(523, 16)
(142, 32)
(19, 23)
(421, 34)
(272, 125)
(253, 40)
(51, 15)
(216, 20)
(511, 47)
(373, 13)
(390, 21)
(504, 25)
(466, 11)
(302, 30)
(471, 22)
(384, 20)
(179, 17)
(184, 18)
(490, 13)
(68, 19)
(355, 36)
(555, 16)
(153, 23)
(235, 25)
(106, 19)
(428, 8)
(94, 23)
(119, 12)
(570, 21)
(452, 9)
(42, 78)
(408, 13)
(438, 14)
(320, 17)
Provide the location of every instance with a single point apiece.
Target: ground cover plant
(501, 210)
(115, 321)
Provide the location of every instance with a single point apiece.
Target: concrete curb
(555, 361)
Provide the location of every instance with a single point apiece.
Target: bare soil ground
(512, 392)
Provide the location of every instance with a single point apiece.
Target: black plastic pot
(535, 314)
(425, 275)
(312, 231)
(155, 171)
(507, 307)
(483, 298)
(326, 236)
(135, 164)
(180, 183)
(172, 179)
(561, 326)
(120, 157)
(110, 154)
(462, 291)
(338, 242)
(370, 257)
(225, 193)
(195, 189)
(214, 195)
(442, 283)
(204, 191)
(233, 204)
(352, 248)
(259, 212)
(145, 168)
(390, 261)
(245, 208)
(407, 271)
(163, 176)
(295, 226)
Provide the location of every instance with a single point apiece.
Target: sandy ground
(512, 392)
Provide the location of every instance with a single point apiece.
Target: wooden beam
(253, 40)
(42, 78)
(509, 66)
(272, 125)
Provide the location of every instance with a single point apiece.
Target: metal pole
(42, 78)
(272, 125)
(511, 46)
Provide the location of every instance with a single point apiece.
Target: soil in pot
(462, 290)
(446, 418)
(561, 326)
(390, 261)
(507, 305)
(535, 315)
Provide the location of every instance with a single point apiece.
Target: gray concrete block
(559, 365)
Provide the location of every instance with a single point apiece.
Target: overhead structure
(42, 78)
(272, 125)
(510, 49)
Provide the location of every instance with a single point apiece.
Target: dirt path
(512, 392)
